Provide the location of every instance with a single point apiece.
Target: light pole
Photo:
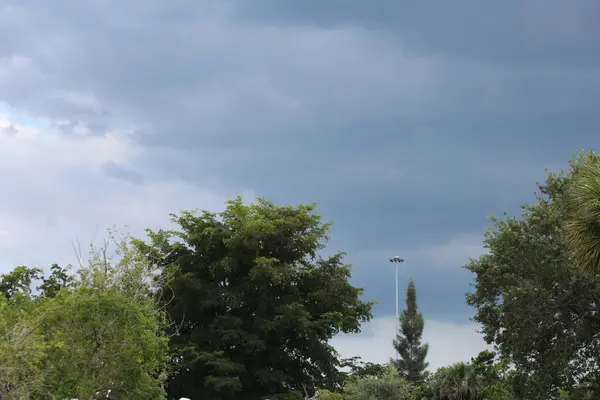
(397, 260)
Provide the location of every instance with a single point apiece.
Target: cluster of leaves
(390, 385)
(534, 295)
(71, 338)
(251, 302)
(373, 382)
(356, 368)
(484, 378)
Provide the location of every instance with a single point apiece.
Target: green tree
(59, 278)
(389, 386)
(19, 280)
(252, 303)
(120, 264)
(103, 342)
(582, 227)
(324, 394)
(494, 376)
(108, 333)
(359, 368)
(22, 349)
(539, 311)
(84, 337)
(580, 393)
(484, 378)
(411, 365)
(457, 382)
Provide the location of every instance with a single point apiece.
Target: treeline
(241, 305)
(94, 334)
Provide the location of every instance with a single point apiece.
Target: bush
(390, 386)
(325, 394)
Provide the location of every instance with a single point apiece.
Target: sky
(408, 123)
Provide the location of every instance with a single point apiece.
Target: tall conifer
(411, 364)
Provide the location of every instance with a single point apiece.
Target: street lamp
(397, 260)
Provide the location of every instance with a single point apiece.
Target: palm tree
(457, 382)
(582, 229)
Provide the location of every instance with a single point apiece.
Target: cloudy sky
(407, 122)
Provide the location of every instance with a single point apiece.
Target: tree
(324, 394)
(359, 368)
(252, 303)
(456, 382)
(484, 378)
(59, 278)
(389, 386)
(120, 264)
(494, 376)
(351, 369)
(108, 332)
(103, 342)
(88, 337)
(19, 280)
(539, 311)
(411, 365)
(22, 349)
(576, 394)
(582, 227)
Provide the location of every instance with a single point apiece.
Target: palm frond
(582, 230)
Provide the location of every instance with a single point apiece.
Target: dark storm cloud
(507, 32)
(407, 123)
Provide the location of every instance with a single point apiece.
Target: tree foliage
(534, 304)
(359, 368)
(484, 378)
(324, 394)
(80, 338)
(252, 303)
(495, 377)
(58, 279)
(412, 363)
(458, 381)
(389, 386)
(22, 348)
(103, 343)
(582, 226)
(19, 280)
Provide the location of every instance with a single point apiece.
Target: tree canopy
(582, 226)
(389, 386)
(80, 338)
(252, 301)
(535, 305)
(101, 342)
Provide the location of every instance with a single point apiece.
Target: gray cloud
(508, 32)
(408, 124)
(123, 172)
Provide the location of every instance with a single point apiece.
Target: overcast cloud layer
(408, 123)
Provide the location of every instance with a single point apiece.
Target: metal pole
(397, 260)
(397, 315)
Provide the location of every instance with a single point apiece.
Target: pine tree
(411, 364)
